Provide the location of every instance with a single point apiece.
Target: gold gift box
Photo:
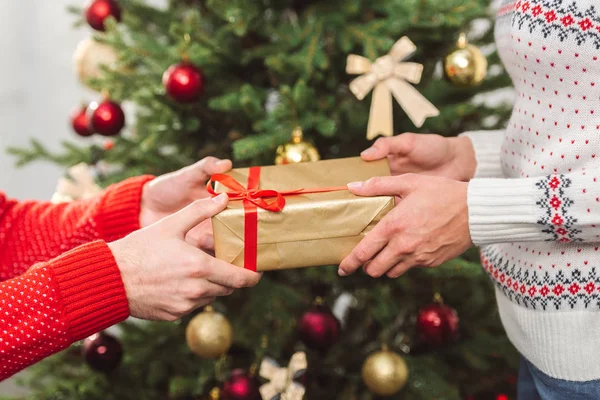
(313, 229)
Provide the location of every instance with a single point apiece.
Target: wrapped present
(295, 215)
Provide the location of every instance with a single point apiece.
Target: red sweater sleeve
(72, 296)
(32, 232)
(58, 302)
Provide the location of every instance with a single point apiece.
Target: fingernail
(355, 185)
(221, 162)
(341, 272)
(368, 152)
(220, 198)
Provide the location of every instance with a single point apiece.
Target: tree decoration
(184, 82)
(465, 65)
(297, 150)
(209, 334)
(389, 76)
(80, 185)
(384, 372)
(437, 323)
(106, 118)
(102, 352)
(281, 383)
(90, 57)
(318, 327)
(80, 122)
(240, 386)
(98, 10)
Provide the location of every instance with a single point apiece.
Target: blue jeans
(535, 385)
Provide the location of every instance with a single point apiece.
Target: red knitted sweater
(59, 282)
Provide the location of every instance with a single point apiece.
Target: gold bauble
(466, 65)
(296, 151)
(89, 58)
(384, 373)
(209, 334)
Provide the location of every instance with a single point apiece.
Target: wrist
(145, 217)
(128, 267)
(464, 157)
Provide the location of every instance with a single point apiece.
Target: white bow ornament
(389, 76)
(81, 185)
(281, 383)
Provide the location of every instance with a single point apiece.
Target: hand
(169, 193)
(164, 276)
(428, 226)
(430, 154)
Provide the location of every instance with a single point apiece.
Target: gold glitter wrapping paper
(313, 229)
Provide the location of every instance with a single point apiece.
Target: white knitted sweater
(534, 205)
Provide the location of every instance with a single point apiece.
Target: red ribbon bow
(253, 197)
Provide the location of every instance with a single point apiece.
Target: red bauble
(240, 386)
(437, 324)
(184, 82)
(80, 122)
(106, 118)
(319, 328)
(98, 10)
(502, 397)
(102, 352)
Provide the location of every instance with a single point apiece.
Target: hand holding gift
(422, 230)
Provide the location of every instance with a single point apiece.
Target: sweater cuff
(91, 288)
(503, 211)
(488, 147)
(119, 211)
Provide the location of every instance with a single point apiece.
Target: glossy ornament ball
(80, 122)
(98, 10)
(296, 151)
(319, 328)
(89, 58)
(384, 373)
(184, 82)
(240, 386)
(465, 65)
(209, 334)
(102, 352)
(437, 324)
(106, 118)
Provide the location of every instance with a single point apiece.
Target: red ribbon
(255, 198)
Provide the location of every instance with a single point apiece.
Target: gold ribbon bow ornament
(390, 76)
(281, 383)
(81, 185)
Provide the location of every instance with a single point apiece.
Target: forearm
(561, 208)
(58, 302)
(33, 232)
(488, 148)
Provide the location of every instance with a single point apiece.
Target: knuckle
(361, 255)
(395, 273)
(375, 181)
(408, 137)
(192, 261)
(423, 259)
(198, 293)
(373, 272)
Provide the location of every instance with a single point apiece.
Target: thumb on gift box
(384, 186)
(183, 221)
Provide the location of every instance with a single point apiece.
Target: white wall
(38, 88)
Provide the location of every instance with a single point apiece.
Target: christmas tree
(234, 79)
